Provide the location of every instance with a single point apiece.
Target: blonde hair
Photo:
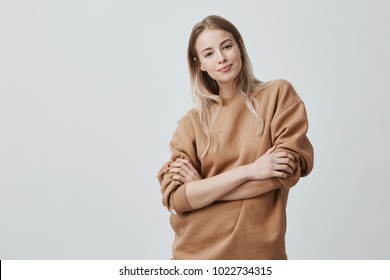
(205, 90)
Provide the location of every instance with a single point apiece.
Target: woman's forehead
(211, 38)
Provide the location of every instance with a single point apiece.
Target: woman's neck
(226, 91)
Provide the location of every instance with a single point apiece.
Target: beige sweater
(252, 228)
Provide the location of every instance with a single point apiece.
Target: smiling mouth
(226, 68)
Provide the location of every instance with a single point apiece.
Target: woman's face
(219, 55)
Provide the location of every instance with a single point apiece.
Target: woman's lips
(225, 69)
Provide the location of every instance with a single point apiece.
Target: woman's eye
(208, 54)
(226, 47)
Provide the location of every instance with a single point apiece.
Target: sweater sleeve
(182, 146)
(289, 128)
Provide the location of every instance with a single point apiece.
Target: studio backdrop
(91, 92)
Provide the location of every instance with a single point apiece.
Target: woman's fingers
(179, 171)
(280, 174)
(184, 171)
(190, 169)
(270, 150)
(284, 155)
(286, 164)
(182, 166)
(193, 169)
(285, 168)
(179, 178)
(179, 165)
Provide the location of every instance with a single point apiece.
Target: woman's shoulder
(274, 85)
(190, 115)
(279, 90)
(188, 119)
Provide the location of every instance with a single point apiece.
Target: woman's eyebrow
(210, 48)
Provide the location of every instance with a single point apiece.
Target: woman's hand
(183, 171)
(280, 164)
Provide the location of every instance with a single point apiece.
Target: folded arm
(238, 183)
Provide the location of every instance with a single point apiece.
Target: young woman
(235, 156)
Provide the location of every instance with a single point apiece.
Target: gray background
(91, 92)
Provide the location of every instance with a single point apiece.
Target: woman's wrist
(245, 170)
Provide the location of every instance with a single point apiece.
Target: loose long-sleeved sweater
(252, 228)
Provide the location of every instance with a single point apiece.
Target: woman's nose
(221, 57)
